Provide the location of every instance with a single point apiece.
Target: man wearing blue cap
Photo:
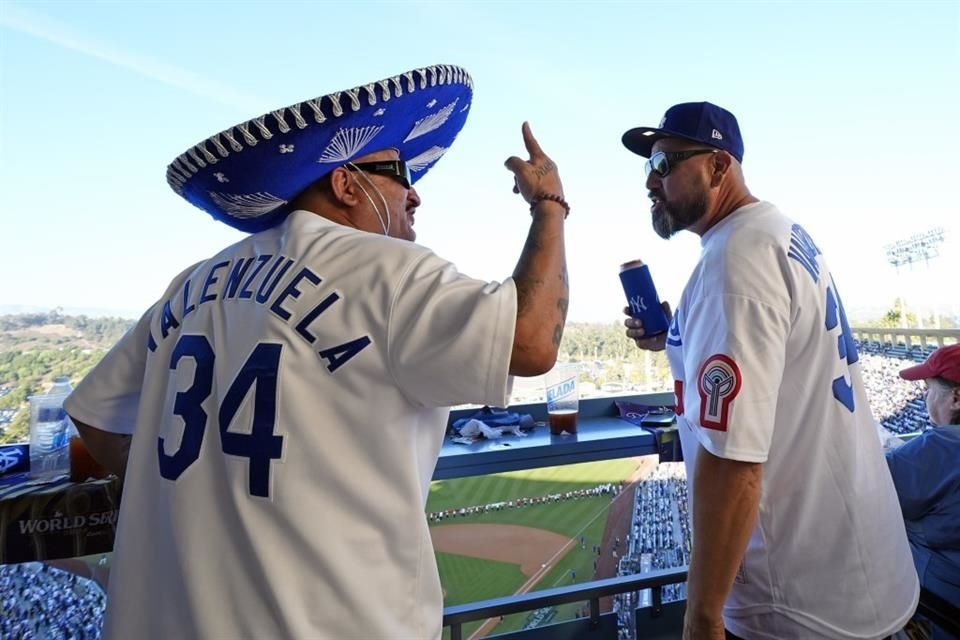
(285, 401)
(796, 524)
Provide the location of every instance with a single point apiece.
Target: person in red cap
(941, 373)
(926, 472)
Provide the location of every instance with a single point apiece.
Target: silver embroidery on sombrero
(236, 146)
(423, 78)
(385, 88)
(215, 141)
(192, 152)
(431, 122)
(347, 142)
(247, 205)
(298, 118)
(425, 159)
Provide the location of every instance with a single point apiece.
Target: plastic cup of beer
(642, 297)
(563, 398)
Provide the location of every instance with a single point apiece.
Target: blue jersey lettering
(292, 292)
(212, 280)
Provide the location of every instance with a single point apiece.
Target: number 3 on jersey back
(846, 347)
(260, 446)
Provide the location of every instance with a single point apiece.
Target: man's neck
(727, 204)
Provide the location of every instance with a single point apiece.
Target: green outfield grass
(469, 579)
(486, 576)
(486, 580)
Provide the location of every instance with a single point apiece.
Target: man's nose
(413, 198)
(653, 180)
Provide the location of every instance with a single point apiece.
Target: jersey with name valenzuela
(767, 372)
(288, 399)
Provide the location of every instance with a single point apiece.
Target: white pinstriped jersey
(768, 373)
(286, 399)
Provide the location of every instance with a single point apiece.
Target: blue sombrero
(247, 175)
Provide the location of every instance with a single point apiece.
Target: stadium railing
(906, 341)
(661, 620)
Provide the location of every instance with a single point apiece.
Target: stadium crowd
(659, 537)
(897, 403)
(44, 602)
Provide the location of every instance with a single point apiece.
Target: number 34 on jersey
(261, 445)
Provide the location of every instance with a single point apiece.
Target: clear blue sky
(849, 113)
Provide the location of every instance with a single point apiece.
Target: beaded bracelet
(540, 197)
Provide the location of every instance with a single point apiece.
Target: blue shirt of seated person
(926, 472)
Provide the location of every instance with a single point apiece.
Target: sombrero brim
(247, 175)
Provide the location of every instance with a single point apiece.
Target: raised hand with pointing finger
(537, 176)
(541, 273)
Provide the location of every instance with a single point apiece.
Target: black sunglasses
(396, 169)
(661, 160)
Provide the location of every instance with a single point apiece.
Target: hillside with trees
(35, 348)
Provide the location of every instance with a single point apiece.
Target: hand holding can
(642, 297)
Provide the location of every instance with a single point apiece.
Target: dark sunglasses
(396, 169)
(661, 161)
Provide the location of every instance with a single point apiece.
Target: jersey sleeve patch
(718, 383)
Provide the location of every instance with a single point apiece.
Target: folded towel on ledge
(494, 422)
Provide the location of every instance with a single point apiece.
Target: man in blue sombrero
(278, 413)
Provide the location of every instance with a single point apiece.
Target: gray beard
(679, 216)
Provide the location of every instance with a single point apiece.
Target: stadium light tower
(921, 246)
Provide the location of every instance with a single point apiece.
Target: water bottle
(50, 432)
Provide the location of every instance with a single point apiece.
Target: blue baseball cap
(701, 122)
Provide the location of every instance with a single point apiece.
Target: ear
(720, 164)
(955, 399)
(343, 187)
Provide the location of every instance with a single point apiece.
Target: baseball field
(508, 550)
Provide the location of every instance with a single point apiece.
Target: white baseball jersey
(767, 372)
(287, 403)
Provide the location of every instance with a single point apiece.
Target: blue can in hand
(642, 297)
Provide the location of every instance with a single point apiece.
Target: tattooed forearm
(540, 280)
(526, 287)
(523, 276)
(562, 304)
